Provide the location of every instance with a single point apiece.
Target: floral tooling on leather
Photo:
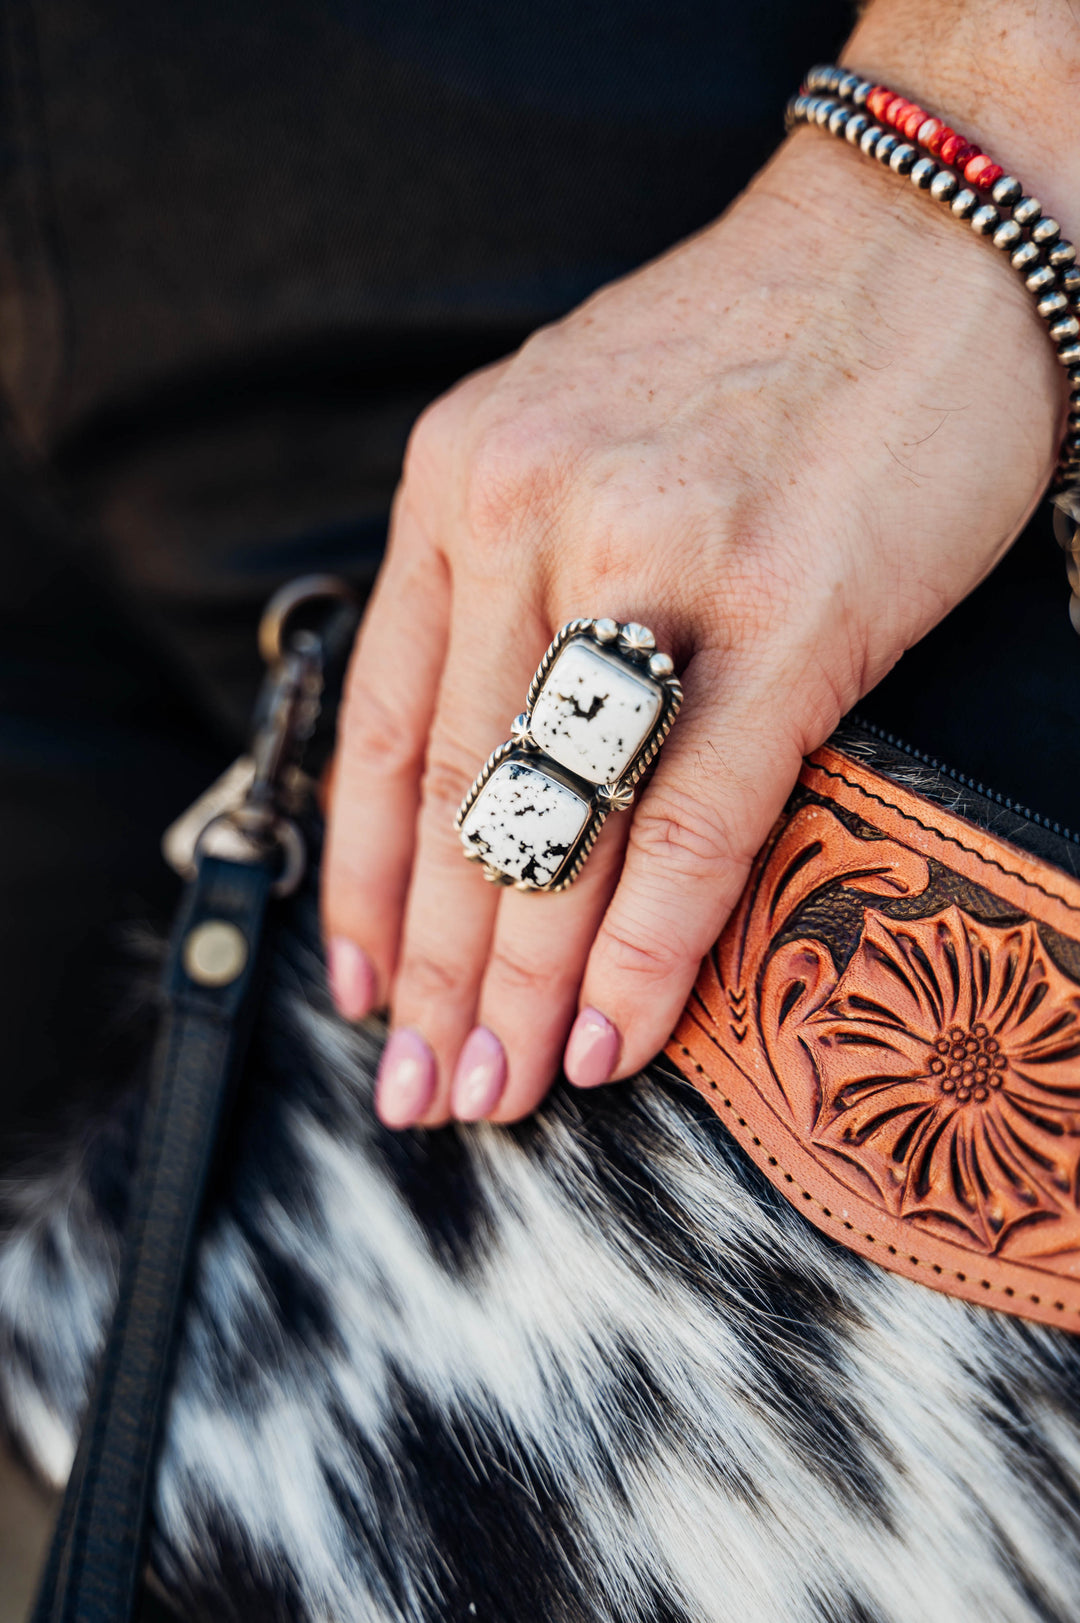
(890, 1025)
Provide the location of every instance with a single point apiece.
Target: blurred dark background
(241, 245)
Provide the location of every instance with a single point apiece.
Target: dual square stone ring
(600, 706)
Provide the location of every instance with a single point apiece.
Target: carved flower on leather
(948, 1062)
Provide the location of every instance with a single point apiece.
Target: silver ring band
(600, 706)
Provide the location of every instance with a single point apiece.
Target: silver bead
(1027, 210)
(838, 118)
(815, 79)
(869, 139)
(922, 174)
(848, 85)
(835, 77)
(984, 220)
(1070, 279)
(1070, 355)
(1045, 231)
(605, 630)
(824, 108)
(1061, 254)
(1051, 304)
(1025, 256)
(1065, 330)
(1040, 279)
(1007, 191)
(886, 146)
(661, 665)
(862, 90)
(792, 113)
(853, 129)
(964, 203)
(944, 186)
(902, 158)
(1007, 235)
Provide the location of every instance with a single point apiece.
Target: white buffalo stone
(594, 712)
(524, 822)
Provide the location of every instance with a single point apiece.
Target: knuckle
(424, 978)
(511, 972)
(448, 776)
(431, 439)
(371, 731)
(628, 950)
(516, 479)
(685, 837)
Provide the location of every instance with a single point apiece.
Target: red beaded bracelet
(939, 139)
(1013, 221)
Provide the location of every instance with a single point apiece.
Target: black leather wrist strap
(95, 1563)
(241, 855)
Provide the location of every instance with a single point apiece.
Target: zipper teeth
(968, 783)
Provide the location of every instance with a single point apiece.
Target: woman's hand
(789, 447)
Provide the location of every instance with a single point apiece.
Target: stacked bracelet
(954, 171)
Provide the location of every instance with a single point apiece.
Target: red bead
(895, 111)
(964, 155)
(950, 146)
(913, 121)
(878, 99)
(932, 133)
(982, 172)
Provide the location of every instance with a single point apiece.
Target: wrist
(1005, 71)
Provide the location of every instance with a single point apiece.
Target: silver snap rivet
(214, 953)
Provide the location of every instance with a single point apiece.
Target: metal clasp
(250, 812)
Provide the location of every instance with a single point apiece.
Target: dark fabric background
(241, 245)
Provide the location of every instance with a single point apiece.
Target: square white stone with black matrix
(595, 711)
(525, 821)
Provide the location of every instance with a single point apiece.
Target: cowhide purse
(889, 1026)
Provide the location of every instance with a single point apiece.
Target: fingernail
(479, 1077)
(592, 1050)
(351, 977)
(406, 1083)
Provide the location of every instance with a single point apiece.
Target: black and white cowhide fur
(591, 1369)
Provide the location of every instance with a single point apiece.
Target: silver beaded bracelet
(835, 99)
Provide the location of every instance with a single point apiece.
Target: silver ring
(600, 706)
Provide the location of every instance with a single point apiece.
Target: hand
(789, 446)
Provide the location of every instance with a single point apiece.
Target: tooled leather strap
(890, 1027)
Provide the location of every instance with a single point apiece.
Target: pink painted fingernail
(480, 1076)
(406, 1084)
(592, 1050)
(351, 976)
